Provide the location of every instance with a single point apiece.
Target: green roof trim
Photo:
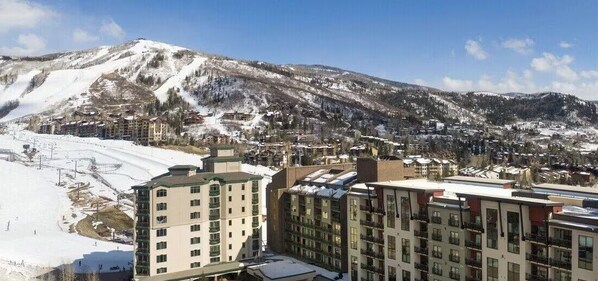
(222, 159)
(197, 179)
(183, 167)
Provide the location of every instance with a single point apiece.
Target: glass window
(392, 247)
(353, 209)
(406, 250)
(195, 189)
(161, 206)
(160, 245)
(491, 225)
(405, 213)
(353, 238)
(513, 271)
(161, 219)
(161, 193)
(513, 232)
(492, 269)
(161, 232)
(390, 211)
(586, 252)
(406, 275)
(161, 258)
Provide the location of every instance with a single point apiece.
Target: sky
(498, 46)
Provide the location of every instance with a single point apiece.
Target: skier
(8, 226)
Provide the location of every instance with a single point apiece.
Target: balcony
(214, 253)
(142, 237)
(468, 278)
(537, 238)
(421, 234)
(563, 243)
(214, 204)
(537, 258)
(371, 238)
(371, 253)
(372, 209)
(421, 216)
(454, 240)
(534, 277)
(214, 241)
(255, 212)
(144, 211)
(372, 224)
(421, 266)
(421, 251)
(454, 275)
(255, 224)
(254, 189)
(453, 223)
(473, 226)
(437, 237)
(436, 220)
(473, 263)
(372, 268)
(214, 217)
(564, 264)
(215, 192)
(142, 224)
(254, 200)
(473, 244)
(454, 258)
(214, 229)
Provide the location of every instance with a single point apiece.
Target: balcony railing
(214, 217)
(473, 244)
(255, 200)
(534, 277)
(453, 222)
(537, 237)
(420, 250)
(421, 266)
(214, 192)
(214, 229)
(372, 224)
(437, 237)
(564, 264)
(473, 226)
(537, 258)
(436, 220)
(455, 259)
(255, 212)
(255, 224)
(372, 209)
(454, 275)
(564, 243)
(214, 204)
(371, 238)
(372, 268)
(473, 262)
(454, 240)
(421, 216)
(142, 223)
(214, 253)
(373, 254)
(421, 234)
(214, 241)
(437, 254)
(437, 271)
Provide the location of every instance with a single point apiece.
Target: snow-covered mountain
(138, 72)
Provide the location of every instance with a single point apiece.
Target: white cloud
(521, 46)
(22, 14)
(29, 44)
(557, 65)
(112, 29)
(589, 74)
(565, 45)
(81, 36)
(457, 84)
(510, 82)
(475, 49)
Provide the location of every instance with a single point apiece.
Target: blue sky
(503, 46)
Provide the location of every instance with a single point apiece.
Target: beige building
(193, 223)
(467, 230)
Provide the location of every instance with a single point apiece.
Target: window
(454, 256)
(405, 250)
(454, 220)
(243, 187)
(436, 217)
(492, 235)
(161, 193)
(243, 197)
(561, 275)
(586, 252)
(195, 215)
(195, 240)
(406, 275)
(513, 271)
(405, 213)
(230, 199)
(513, 232)
(390, 211)
(161, 206)
(195, 264)
(161, 219)
(242, 209)
(195, 227)
(230, 210)
(454, 238)
(437, 269)
(230, 188)
(436, 234)
(217, 259)
(492, 269)
(161, 270)
(160, 245)
(392, 247)
(195, 202)
(195, 253)
(243, 233)
(161, 232)
(242, 221)
(353, 232)
(454, 273)
(195, 189)
(354, 267)
(160, 258)
(437, 251)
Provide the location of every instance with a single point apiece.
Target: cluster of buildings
(371, 221)
(522, 175)
(145, 130)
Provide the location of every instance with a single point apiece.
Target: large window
(492, 269)
(491, 225)
(161, 193)
(353, 238)
(405, 213)
(513, 271)
(195, 215)
(392, 247)
(406, 275)
(437, 268)
(353, 209)
(161, 232)
(406, 250)
(195, 227)
(160, 258)
(586, 252)
(194, 202)
(161, 206)
(161, 219)
(160, 245)
(390, 211)
(454, 220)
(437, 251)
(513, 232)
(195, 189)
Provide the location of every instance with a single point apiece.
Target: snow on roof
(282, 269)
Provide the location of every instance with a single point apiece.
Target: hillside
(144, 75)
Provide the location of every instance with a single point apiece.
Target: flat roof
(207, 270)
(567, 188)
(282, 269)
(479, 180)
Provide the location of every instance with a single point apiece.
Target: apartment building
(192, 223)
(461, 229)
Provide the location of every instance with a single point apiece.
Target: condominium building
(192, 223)
(467, 230)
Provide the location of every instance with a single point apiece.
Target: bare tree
(67, 273)
(92, 276)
